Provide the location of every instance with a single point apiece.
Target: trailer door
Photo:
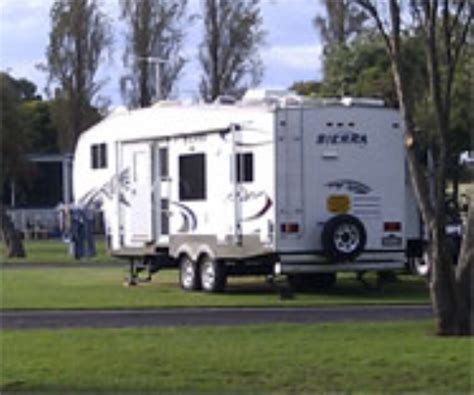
(161, 192)
(136, 202)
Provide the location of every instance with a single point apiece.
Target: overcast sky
(292, 51)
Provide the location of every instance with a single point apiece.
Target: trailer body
(272, 186)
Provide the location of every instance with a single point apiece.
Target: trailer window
(99, 156)
(192, 177)
(244, 165)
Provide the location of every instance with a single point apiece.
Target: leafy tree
(342, 22)
(307, 88)
(229, 52)
(363, 68)
(154, 31)
(79, 38)
(13, 148)
(444, 27)
(26, 89)
(60, 112)
(38, 125)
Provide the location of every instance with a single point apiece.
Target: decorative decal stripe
(249, 145)
(261, 213)
(188, 215)
(353, 186)
(108, 189)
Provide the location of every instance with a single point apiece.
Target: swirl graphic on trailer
(188, 216)
(257, 202)
(353, 186)
(118, 183)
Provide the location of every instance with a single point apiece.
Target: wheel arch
(204, 251)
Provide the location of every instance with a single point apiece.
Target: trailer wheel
(213, 275)
(189, 274)
(343, 238)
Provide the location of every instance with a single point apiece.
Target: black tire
(343, 238)
(189, 275)
(213, 275)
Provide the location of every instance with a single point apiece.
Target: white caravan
(273, 184)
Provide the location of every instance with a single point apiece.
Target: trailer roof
(173, 119)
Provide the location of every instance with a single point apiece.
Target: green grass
(88, 288)
(54, 251)
(280, 359)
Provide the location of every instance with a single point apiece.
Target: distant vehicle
(273, 184)
(467, 158)
(454, 234)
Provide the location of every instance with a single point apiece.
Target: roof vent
(362, 102)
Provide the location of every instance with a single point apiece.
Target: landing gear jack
(138, 265)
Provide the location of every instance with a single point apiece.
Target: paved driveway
(207, 316)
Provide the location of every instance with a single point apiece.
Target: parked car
(454, 231)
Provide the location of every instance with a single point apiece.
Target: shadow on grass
(347, 287)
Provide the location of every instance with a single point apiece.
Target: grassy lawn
(280, 359)
(54, 251)
(87, 288)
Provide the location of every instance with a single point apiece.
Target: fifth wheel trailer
(273, 184)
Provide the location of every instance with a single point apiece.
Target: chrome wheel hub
(187, 273)
(208, 274)
(347, 238)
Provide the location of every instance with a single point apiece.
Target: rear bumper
(316, 263)
(295, 268)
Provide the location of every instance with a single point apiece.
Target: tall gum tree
(229, 54)
(78, 42)
(445, 26)
(342, 21)
(14, 145)
(155, 31)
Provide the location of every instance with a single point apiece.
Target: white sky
(292, 51)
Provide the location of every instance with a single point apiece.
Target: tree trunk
(455, 194)
(442, 284)
(465, 278)
(11, 236)
(144, 95)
